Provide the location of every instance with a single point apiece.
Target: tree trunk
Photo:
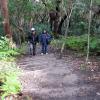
(5, 15)
(30, 24)
(89, 31)
(61, 23)
(68, 13)
(56, 24)
(55, 18)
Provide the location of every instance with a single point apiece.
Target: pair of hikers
(44, 39)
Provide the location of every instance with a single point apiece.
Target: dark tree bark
(61, 23)
(55, 18)
(52, 16)
(5, 14)
(96, 10)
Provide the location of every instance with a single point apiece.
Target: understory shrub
(79, 43)
(9, 72)
(9, 83)
(6, 51)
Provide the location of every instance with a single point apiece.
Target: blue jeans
(44, 48)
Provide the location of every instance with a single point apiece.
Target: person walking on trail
(33, 39)
(44, 39)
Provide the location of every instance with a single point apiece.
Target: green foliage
(9, 83)
(79, 18)
(41, 26)
(11, 86)
(1, 26)
(9, 79)
(57, 43)
(19, 8)
(79, 43)
(95, 44)
(4, 43)
(97, 1)
(76, 43)
(6, 50)
(50, 4)
(78, 24)
(22, 49)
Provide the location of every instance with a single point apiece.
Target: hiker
(44, 39)
(33, 39)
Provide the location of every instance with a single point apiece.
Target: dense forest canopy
(53, 14)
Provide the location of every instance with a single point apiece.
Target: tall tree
(89, 31)
(5, 14)
(55, 17)
(68, 12)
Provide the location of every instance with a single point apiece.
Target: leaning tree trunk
(5, 14)
(67, 28)
(68, 13)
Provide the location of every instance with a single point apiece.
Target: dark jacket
(33, 38)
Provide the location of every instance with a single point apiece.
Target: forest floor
(46, 77)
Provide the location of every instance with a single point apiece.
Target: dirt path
(48, 78)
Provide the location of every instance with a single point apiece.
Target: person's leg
(34, 49)
(30, 48)
(30, 51)
(42, 50)
(46, 49)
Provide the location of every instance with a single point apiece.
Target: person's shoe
(46, 53)
(41, 53)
